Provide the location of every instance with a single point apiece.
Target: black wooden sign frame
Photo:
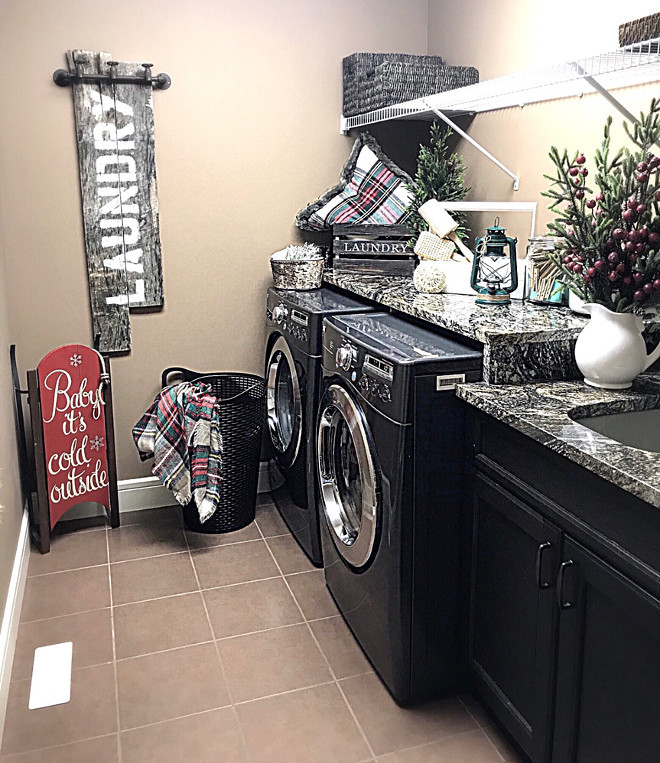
(41, 517)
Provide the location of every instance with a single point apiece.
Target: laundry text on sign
(116, 178)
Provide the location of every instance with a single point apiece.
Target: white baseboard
(11, 616)
(134, 495)
(143, 493)
(149, 493)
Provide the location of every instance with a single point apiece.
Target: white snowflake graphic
(75, 360)
(97, 443)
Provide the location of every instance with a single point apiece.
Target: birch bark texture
(116, 157)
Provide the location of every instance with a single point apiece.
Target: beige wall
(513, 35)
(10, 494)
(246, 136)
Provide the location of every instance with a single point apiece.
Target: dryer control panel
(372, 376)
(377, 378)
(291, 322)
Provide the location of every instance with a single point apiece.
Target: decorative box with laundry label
(374, 249)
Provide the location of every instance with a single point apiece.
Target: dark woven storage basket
(241, 407)
(376, 80)
(639, 30)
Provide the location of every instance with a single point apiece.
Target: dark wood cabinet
(564, 621)
(513, 612)
(608, 666)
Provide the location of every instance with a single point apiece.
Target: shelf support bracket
(606, 94)
(463, 134)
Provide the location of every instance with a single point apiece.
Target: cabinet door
(513, 613)
(608, 670)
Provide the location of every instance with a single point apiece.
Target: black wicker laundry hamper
(242, 410)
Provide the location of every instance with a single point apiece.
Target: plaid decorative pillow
(372, 191)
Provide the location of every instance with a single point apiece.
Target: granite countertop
(515, 322)
(522, 342)
(543, 412)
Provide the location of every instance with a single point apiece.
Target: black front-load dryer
(390, 442)
(293, 375)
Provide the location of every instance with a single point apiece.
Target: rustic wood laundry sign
(113, 108)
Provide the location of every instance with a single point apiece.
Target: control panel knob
(344, 357)
(279, 313)
(363, 384)
(384, 393)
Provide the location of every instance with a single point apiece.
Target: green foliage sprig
(609, 238)
(440, 175)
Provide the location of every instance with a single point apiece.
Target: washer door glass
(347, 474)
(283, 403)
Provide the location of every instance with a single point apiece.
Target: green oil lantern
(494, 272)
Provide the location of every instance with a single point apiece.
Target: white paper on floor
(51, 675)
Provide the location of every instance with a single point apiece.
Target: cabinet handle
(560, 585)
(539, 564)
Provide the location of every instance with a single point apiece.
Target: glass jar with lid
(544, 286)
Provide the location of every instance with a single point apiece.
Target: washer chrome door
(348, 476)
(283, 403)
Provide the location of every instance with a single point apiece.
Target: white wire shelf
(636, 64)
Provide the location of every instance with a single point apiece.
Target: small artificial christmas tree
(440, 175)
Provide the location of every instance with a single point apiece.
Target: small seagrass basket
(297, 267)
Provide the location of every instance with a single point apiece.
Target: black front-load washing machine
(293, 376)
(390, 442)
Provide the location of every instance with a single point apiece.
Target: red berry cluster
(621, 264)
(579, 172)
(608, 238)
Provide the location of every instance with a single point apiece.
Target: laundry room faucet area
(330, 380)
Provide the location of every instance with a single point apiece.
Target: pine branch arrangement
(440, 175)
(609, 237)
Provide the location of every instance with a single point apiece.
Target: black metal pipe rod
(63, 78)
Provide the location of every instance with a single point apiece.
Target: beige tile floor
(196, 649)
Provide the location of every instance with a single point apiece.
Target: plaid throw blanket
(374, 195)
(181, 431)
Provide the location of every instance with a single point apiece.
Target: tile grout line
(176, 718)
(163, 651)
(481, 728)
(329, 682)
(318, 646)
(153, 556)
(62, 745)
(442, 739)
(154, 598)
(492, 742)
(69, 569)
(68, 614)
(114, 648)
(120, 561)
(217, 653)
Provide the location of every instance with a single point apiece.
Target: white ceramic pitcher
(610, 351)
